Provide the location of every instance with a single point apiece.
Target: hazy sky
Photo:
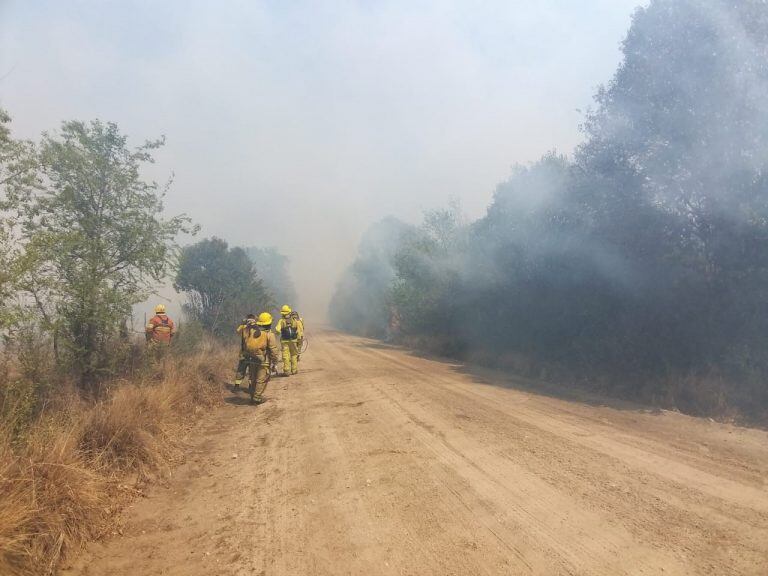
(297, 124)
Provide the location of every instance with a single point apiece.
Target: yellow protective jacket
(240, 332)
(299, 327)
(271, 350)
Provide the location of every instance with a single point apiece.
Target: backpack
(254, 340)
(164, 326)
(160, 329)
(289, 329)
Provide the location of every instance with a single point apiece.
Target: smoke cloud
(298, 124)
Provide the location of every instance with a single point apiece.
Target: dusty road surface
(374, 461)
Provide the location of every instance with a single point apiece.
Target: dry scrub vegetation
(65, 473)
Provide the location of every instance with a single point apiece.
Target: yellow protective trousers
(290, 356)
(247, 363)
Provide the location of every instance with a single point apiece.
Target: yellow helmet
(285, 310)
(160, 309)
(265, 319)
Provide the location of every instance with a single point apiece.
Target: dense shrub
(641, 263)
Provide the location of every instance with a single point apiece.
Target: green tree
(221, 285)
(681, 133)
(428, 271)
(98, 238)
(18, 177)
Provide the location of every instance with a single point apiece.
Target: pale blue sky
(297, 124)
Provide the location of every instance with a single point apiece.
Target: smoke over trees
(272, 268)
(640, 263)
(361, 302)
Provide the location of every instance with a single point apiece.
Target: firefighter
(242, 363)
(259, 349)
(159, 333)
(160, 328)
(291, 331)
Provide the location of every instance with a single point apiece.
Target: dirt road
(375, 461)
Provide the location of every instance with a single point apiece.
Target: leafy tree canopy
(221, 285)
(95, 238)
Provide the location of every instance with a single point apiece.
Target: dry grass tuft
(59, 484)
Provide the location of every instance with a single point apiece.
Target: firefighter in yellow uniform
(242, 361)
(258, 350)
(291, 331)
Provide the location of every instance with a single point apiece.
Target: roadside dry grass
(64, 482)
